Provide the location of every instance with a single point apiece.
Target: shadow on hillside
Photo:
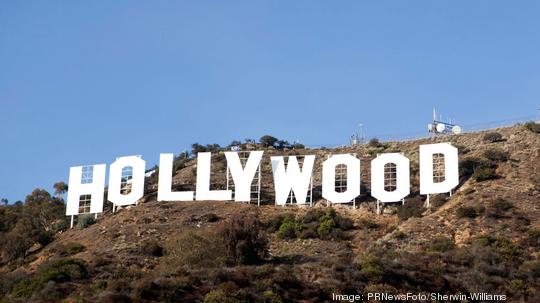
(292, 260)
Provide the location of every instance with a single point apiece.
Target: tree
(213, 147)
(197, 148)
(268, 140)
(4, 201)
(43, 210)
(281, 144)
(235, 143)
(60, 188)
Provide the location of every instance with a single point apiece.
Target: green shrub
(60, 270)
(326, 228)
(469, 190)
(163, 289)
(399, 235)
(268, 140)
(219, 296)
(71, 248)
(503, 246)
(226, 292)
(83, 221)
(441, 244)
(289, 230)
(411, 208)
(193, 248)
(152, 248)
(274, 223)
(313, 215)
(316, 223)
(371, 268)
(374, 142)
(498, 208)
(211, 217)
(367, 223)
(45, 237)
(493, 137)
(468, 165)
(13, 246)
(484, 174)
(309, 231)
(496, 155)
(532, 126)
(470, 211)
(437, 200)
(531, 268)
(345, 223)
(244, 239)
(533, 237)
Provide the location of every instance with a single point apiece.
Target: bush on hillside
(492, 137)
(441, 244)
(274, 223)
(59, 270)
(532, 126)
(199, 248)
(501, 245)
(244, 239)
(468, 165)
(371, 267)
(152, 248)
(411, 208)
(498, 208)
(496, 155)
(25, 224)
(289, 229)
(484, 174)
(268, 141)
(83, 221)
(470, 211)
(71, 248)
(437, 201)
(374, 142)
(367, 223)
(320, 223)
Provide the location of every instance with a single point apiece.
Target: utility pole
(361, 134)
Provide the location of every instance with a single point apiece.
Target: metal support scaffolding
(255, 192)
(439, 173)
(341, 181)
(292, 197)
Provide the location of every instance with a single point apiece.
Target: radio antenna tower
(439, 127)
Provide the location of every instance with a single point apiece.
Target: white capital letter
(329, 178)
(165, 181)
(291, 178)
(378, 177)
(90, 182)
(203, 181)
(137, 180)
(451, 174)
(243, 177)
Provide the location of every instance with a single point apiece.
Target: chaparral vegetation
(483, 238)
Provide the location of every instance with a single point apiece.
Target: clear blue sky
(82, 82)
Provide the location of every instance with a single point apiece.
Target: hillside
(484, 238)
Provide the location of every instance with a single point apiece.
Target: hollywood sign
(87, 183)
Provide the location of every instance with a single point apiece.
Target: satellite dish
(456, 130)
(430, 127)
(440, 128)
